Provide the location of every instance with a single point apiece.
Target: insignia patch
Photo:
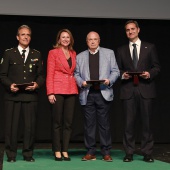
(36, 50)
(8, 49)
(2, 60)
(34, 60)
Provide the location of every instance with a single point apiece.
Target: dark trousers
(13, 112)
(62, 116)
(137, 106)
(97, 111)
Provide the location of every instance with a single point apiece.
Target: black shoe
(128, 158)
(11, 159)
(66, 158)
(148, 158)
(29, 159)
(58, 159)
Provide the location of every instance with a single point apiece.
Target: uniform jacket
(108, 69)
(60, 79)
(148, 61)
(14, 70)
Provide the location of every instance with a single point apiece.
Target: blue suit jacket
(108, 69)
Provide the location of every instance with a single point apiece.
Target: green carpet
(44, 160)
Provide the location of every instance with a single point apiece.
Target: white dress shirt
(26, 53)
(138, 45)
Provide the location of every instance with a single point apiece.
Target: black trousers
(97, 111)
(62, 116)
(137, 106)
(13, 112)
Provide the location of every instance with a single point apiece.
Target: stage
(44, 159)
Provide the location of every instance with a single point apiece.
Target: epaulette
(36, 50)
(9, 49)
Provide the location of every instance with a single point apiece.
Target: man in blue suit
(96, 63)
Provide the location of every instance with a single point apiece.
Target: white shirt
(26, 53)
(138, 45)
(91, 52)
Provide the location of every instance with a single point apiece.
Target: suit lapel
(64, 61)
(142, 53)
(73, 62)
(18, 55)
(129, 57)
(86, 61)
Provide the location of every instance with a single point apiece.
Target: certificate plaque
(95, 84)
(95, 81)
(135, 76)
(24, 85)
(134, 73)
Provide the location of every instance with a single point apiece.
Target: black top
(94, 66)
(69, 62)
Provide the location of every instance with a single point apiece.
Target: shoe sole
(89, 159)
(107, 160)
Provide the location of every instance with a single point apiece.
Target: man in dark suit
(21, 65)
(137, 89)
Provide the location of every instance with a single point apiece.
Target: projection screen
(141, 9)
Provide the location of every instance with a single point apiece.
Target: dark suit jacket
(148, 61)
(14, 70)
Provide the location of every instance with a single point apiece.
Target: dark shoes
(148, 158)
(62, 159)
(88, 157)
(66, 158)
(58, 159)
(107, 158)
(29, 159)
(11, 159)
(128, 158)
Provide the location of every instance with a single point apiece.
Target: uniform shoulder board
(36, 50)
(9, 49)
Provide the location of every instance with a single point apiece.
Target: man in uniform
(21, 75)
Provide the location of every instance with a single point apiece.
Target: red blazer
(60, 79)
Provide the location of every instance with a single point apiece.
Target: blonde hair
(58, 45)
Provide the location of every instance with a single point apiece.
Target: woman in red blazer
(61, 91)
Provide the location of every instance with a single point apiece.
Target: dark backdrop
(44, 31)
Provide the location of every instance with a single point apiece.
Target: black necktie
(135, 56)
(23, 54)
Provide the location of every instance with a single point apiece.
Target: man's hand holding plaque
(26, 86)
(134, 75)
(95, 83)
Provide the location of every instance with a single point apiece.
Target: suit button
(24, 71)
(24, 77)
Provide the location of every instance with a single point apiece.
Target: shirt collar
(138, 42)
(20, 49)
(91, 52)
